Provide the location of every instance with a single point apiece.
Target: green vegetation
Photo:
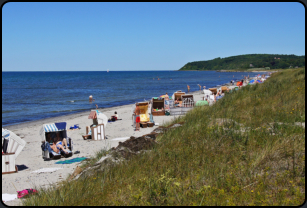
(250, 61)
(247, 149)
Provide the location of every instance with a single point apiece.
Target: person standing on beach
(188, 88)
(137, 117)
(241, 83)
(166, 97)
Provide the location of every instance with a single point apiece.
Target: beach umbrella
(162, 96)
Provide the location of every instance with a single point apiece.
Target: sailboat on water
(108, 70)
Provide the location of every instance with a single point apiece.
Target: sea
(31, 96)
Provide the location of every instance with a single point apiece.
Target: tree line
(249, 61)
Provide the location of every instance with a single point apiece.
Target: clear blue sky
(96, 36)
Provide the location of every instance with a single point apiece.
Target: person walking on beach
(188, 88)
(137, 117)
(96, 106)
(199, 87)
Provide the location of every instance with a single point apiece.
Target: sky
(134, 36)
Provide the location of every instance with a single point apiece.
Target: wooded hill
(249, 61)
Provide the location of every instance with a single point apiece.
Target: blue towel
(77, 159)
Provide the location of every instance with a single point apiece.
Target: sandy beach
(30, 159)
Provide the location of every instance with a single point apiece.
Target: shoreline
(85, 112)
(24, 121)
(67, 116)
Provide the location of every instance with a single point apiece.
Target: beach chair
(187, 101)
(14, 146)
(55, 127)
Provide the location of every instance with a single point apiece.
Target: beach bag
(25, 192)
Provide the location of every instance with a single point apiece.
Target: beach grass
(247, 149)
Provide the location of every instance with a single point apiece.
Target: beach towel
(77, 159)
(25, 192)
(76, 126)
(8, 197)
(46, 170)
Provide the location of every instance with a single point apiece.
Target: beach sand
(30, 159)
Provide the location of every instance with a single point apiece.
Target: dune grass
(247, 149)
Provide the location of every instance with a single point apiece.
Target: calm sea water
(29, 96)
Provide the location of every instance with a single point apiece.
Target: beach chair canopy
(101, 118)
(213, 90)
(15, 144)
(224, 88)
(53, 127)
(177, 95)
(207, 92)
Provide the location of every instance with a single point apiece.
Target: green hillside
(248, 149)
(244, 62)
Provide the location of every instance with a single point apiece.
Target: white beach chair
(14, 147)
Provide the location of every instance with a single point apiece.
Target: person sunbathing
(57, 143)
(176, 102)
(57, 148)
